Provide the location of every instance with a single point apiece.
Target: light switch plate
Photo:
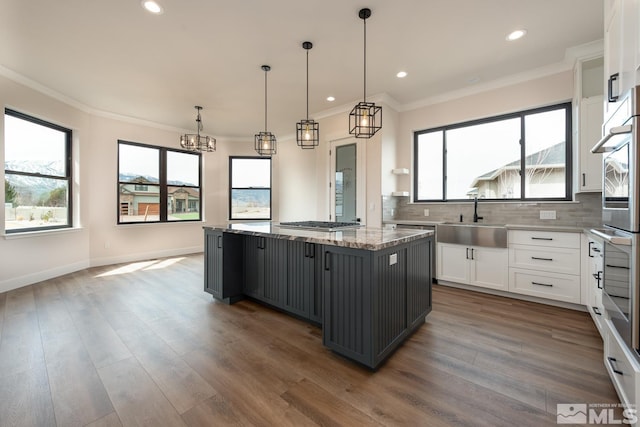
(426, 212)
(393, 259)
(547, 214)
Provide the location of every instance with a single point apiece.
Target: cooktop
(320, 225)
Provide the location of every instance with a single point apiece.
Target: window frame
(231, 187)
(68, 175)
(566, 106)
(163, 193)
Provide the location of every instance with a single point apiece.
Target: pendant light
(366, 117)
(307, 131)
(195, 141)
(265, 142)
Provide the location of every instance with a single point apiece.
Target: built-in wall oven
(621, 218)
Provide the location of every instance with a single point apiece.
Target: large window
(519, 156)
(157, 184)
(250, 188)
(37, 174)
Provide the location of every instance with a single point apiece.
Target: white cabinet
(545, 264)
(621, 49)
(593, 266)
(590, 130)
(622, 366)
(473, 265)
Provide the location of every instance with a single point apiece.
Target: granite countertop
(367, 238)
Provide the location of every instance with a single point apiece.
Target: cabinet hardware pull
(617, 266)
(312, 250)
(596, 310)
(542, 284)
(584, 176)
(613, 360)
(219, 241)
(472, 254)
(610, 96)
(327, 260)
(542, 259)
(467, 253)
(542, 238)
(599, 278)
(590, 249)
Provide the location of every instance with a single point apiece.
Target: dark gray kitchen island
(368, 288)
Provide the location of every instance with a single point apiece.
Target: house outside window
(157, 184)
(250, 188)
(37, 174)
(520, 156)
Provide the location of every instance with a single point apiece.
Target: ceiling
(112, 56)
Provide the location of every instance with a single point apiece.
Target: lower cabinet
(545, 264)
(303, 287)
(374, 300)
(473, 265)
(223, 268)
(622, 366)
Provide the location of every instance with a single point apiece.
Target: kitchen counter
(368, 288)
(533, 227)
(371, 239)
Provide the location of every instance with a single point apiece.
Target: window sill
(40, 233)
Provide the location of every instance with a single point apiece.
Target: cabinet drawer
(544, 238)
(561, 287)
(558, 260)
(620, 365)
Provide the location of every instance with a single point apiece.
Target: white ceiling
(114, 57)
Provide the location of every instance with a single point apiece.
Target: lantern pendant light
(307, 131)
(195, 141)
(265, 142)
(366, 117)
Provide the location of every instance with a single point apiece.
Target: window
(250, 188)
(157, 184)
(519, 156)
(37, 174)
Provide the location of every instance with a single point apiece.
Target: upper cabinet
(622, 49)
(587, 122)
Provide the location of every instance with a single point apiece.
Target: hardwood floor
(142, 344)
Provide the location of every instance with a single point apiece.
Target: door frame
(361, 176)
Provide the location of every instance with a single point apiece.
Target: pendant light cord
(265, 101)
(307, 85)
(364, 96)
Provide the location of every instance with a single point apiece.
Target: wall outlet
(426, 212)
(393, 259)
(547, 214)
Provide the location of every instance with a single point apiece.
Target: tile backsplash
(584, 211)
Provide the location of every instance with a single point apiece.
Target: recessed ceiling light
(517, 34)
(152, 6)
(401, 74)
(331, 98)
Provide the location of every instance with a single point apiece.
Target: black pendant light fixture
(307, 131)
(265, 142)
(366, 117)
(195, 141)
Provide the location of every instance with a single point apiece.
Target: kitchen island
(368, 288)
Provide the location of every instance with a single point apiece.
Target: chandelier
(197, 142)
(366, 117)
(265, 142)
(307, 131)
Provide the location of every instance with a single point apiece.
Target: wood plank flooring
(141, 344)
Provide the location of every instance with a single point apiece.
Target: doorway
(348, 179)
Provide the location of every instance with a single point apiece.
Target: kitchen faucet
(475, 210)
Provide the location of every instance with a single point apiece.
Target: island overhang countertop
(368, 238)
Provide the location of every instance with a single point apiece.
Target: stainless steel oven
(620, 177)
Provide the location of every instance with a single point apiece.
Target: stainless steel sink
(476, 234)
